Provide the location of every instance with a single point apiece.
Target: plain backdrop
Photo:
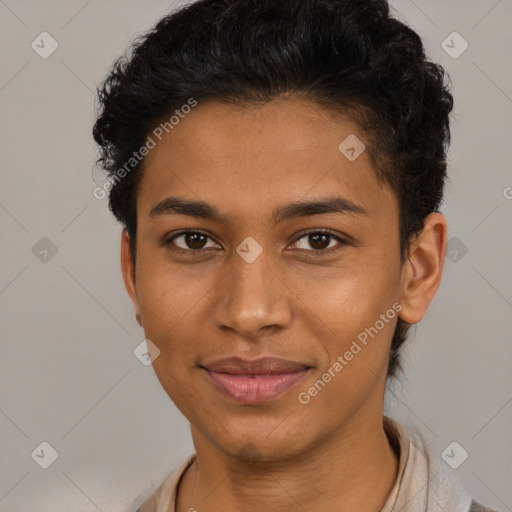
(68, 374)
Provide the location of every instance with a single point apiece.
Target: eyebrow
(204, 210)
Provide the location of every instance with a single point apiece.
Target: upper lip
(261, 366)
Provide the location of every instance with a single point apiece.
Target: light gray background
(68, 375)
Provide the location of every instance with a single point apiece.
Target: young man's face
(304, 299)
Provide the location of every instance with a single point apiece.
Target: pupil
(194, 237)
(323, 238)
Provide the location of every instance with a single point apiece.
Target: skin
(299, 300)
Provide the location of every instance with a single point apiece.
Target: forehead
(251, 155)
(279, 127)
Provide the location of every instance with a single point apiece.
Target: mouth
(255, 381)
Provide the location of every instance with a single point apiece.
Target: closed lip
(260, 366)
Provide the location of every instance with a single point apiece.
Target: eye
(190, 241)
(320, 241)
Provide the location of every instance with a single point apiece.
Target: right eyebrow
(175, 205)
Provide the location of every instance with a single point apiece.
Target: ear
(423, 268)
(128, 271)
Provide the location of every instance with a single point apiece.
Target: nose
(252, 299)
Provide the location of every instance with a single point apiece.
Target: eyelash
(318, 252)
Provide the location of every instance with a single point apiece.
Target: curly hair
(350, 56)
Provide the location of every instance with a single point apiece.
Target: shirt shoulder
(426, 482)
(163, 499)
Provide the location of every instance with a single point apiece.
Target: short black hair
(351, 56)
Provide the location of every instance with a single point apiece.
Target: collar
(423, 483)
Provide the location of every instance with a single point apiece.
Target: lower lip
(257, 389)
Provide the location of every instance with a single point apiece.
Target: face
(234, 262)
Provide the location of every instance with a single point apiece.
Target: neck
(350, 472)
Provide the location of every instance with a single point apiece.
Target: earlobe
(423, 268)
(128, 272)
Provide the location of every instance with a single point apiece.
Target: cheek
(170, 303)
(357, 353)
(166, 292)
(169, 307)
(353, 305)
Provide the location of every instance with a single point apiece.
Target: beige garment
(423, 484)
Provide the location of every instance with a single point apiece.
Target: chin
(265, 441)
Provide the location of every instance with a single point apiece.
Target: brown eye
(195, 240)
(190, 241)
(319, 241)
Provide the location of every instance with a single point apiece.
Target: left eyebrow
(204, 210)
(309, 208)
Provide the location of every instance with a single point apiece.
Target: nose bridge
(251, 297)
